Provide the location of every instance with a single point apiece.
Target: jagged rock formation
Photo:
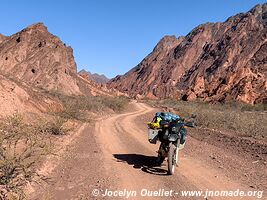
(36, 56)
(214, 62)
(33, 61)
(101, 79)
(41, 59)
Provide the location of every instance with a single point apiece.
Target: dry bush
(54, 126)
(117, 104)
(246, 120)
(21, 148)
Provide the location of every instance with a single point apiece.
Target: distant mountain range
(94, 77)
(214, 62)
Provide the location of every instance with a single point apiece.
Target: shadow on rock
(147, 164)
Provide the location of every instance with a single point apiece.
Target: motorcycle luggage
(168, 116)
(153, 136)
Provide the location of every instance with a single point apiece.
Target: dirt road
(115, 155)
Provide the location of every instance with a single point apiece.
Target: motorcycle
(172, 136)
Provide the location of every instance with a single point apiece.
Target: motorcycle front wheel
(172, 158)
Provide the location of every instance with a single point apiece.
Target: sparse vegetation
(22, 145)
(117, 104)
(75, 107)
(246, 120)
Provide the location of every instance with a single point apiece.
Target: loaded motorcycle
(172, 136)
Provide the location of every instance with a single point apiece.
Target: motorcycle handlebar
(189, 124)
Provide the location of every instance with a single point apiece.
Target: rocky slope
(214, 62)
(101, 79)
(18, 97)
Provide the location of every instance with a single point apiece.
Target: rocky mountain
(39, 58)
(33, 61)
(101, 79)
(214, 62)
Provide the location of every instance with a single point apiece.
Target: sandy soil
(114, 154)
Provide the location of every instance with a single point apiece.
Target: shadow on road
(145, 163)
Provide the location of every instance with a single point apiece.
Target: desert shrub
(21, 147)
(54, 126)
(117, 104)
(247, 120)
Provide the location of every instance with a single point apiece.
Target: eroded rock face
(39, 58)
(34, 62)
(214, 62)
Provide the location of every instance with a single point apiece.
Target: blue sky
(112, 36)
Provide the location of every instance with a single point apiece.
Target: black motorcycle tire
(160, 160)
